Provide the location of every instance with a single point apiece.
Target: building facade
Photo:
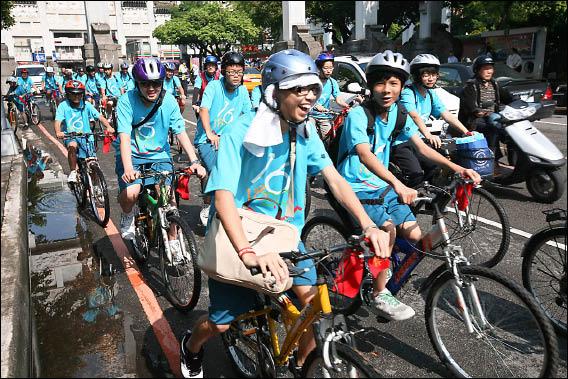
(58, 30)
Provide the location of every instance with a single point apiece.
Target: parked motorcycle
(536, 160)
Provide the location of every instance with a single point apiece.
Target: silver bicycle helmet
(387, 61)
(284, 64)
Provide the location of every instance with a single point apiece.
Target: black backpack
(369, 109)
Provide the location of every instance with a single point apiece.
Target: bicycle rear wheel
(182, 277)
(35, 115)
(512, 339)
(322, 232)
(348, 364)
(98, 195)
(486, 237)
(544, 273)
(243, 349)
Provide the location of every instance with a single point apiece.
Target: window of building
(133, 4)
(25, 2)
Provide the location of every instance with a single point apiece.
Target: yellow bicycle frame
(295, 322)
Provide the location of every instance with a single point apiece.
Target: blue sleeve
(209, 95)
(255, 97)
(124, 115)
(177, 82)
(355, 129)
(334, 88)
(198, 82)
(318, 159)
(60, 113)
(408, 100)
(93, 113)
(229, 159)
(247, 105)
(438, 106)
(177, 124)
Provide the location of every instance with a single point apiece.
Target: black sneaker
(190, 363)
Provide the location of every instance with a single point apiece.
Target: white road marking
(190, 122)
(513, 230)
(552, 123)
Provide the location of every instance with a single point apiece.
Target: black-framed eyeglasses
(303, 90)
(234, 73)
(151, 83)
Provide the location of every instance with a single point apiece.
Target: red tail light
(547, 94)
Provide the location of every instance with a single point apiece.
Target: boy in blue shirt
(224, 100)
(124, 77)
(366, 170)
(253, 162)
(26, 83)
(421, 102)
(208, 74)
(92, 86)
(80, 75)
(172, 84)
(50, 83)
(13, 95)
(111, 88)
(324, 62)
(147, 143)
(75, 115)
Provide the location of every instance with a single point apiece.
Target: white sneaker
(175, 249)
(72, 178)
(127, 224)
(392, 309)
(204, 215)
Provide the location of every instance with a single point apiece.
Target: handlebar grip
(255, 271)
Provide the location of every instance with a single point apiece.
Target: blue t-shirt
(355, 133)
(126, 81)
(76, 119)
(172, 85)
(26, 84)
(423, 105)
(149, 142)
(81, 78)
(51, 82)
(111, 86)
(101, 79)
(223, 107)
(249, 177)
(256, 97)
(330, 89)
(92, 85)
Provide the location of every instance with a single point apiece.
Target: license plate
(527, 98)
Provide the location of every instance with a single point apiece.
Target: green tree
(396, 18)
(208, 26)
(337, 16)
(265, 14)
(6, 20)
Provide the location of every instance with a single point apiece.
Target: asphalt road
(127, 345)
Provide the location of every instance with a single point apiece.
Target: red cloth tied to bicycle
(463, 194)
(109, 138)
(183, 186)
(350, 272)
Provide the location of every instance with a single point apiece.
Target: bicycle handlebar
(150, 172)
(84, 135)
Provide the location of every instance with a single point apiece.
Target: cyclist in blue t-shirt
(26, 83)
(364, 159)
(172, 84)
(324, 62)
(15, 91)
(111, 88)
(254, 162)
(421, 102)
(92, 87)
(206, 76)
(75, 115)
(49, 83)
(80, 75)
(124, 77)
(147, 143)
(256, 97)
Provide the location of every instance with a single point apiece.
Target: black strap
(428, 93)
(157, 105)
(378, 201)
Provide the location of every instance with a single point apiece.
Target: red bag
(350, 273)
(463, 194)
(183, 187)
(107, 142)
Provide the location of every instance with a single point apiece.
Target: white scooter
(536, 160)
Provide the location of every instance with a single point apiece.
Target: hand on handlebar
(269, 262)
(199, 170)
(60, 135)
(405, 194)
(435, 141)
(195, 108)
(470, 174)
(130, 175)
(379, 241)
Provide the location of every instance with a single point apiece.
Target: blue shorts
(227, 301)
(391, 209)
(157, 165)
(208, 155)
(84, 148)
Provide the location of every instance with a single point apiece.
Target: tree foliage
(208, 26)
(6, 20)
(265, 14)
(396, 18)
(337, 17)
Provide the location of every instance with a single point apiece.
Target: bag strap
(290, 202)
(278, 214)
(152, 112)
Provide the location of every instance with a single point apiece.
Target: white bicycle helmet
(49, 69)
(422, 61)
(387, 61)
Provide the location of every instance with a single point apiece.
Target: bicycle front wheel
(35, 114)
(98, 195)
(347, 362)
(322, 232)
(79, 190)
(243, 349)
(486, 235)
(181, 275)
(511, 336)
(544, 273)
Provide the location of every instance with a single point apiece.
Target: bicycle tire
(53, 108)
(544, 276)
(478, 240)
(35, 114)
(349, 357)
(308, 202)
(141, 243)
(241, 353)
(182, 280)
(79, 190)
(98, 195)
(504, 302)
(322, 232)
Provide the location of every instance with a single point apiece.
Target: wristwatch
(196, 161)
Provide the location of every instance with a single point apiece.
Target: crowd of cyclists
(242, 146)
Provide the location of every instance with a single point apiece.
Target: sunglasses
(151, 83)
(304, 90)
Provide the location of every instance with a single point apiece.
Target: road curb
(16, 307)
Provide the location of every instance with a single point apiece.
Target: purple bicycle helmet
(148, 69)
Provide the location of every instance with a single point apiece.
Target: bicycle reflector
(183, 187)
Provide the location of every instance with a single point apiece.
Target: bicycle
(90, 179)
(53, 101)
(544, 268)
(155, 218)
(31, 108)
(468, 308)
(13, 114)
(256, 349)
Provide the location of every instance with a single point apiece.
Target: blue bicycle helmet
(210, 59)
(324, 57)
(124, 65)
(170, 66)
